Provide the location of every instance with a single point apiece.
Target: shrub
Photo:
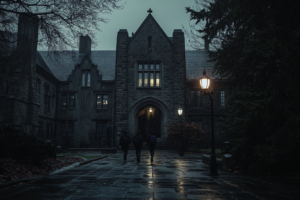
(192, 134)
(23, 146)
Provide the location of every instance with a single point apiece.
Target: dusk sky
(170, 15)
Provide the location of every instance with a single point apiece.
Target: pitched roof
(150, 17)
(63, 66)
(196, 62)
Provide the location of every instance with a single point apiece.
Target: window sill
(101, 108)
(151, 88)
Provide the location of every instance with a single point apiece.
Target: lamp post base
(213, 165)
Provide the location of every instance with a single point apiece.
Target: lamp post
(181, 145)
(204, 83)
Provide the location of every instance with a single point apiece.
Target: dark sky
(170, 15)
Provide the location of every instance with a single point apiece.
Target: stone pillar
(25, 109)
(179, 72)
(121, 84)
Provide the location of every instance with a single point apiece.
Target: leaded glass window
(149, 75)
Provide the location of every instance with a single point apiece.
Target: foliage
(12, 169)
(22, 146)
(259, 52)
(61, 22)
(192, 134)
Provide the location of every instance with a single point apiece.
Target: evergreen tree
(259, 52)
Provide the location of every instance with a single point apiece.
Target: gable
(150, 28)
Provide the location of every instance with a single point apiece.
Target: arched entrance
(149, 120)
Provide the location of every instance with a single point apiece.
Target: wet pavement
(169, 177)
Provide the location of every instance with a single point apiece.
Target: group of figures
(138, 143)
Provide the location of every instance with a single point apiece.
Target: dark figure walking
(151, 142)
(124, 143)
(138, 142)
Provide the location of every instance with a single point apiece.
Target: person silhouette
(151, 142)
(138, 142)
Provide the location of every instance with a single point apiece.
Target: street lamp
(181, 145)
(150, 109)
(204, 83)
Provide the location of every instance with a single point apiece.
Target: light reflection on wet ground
(169, 177)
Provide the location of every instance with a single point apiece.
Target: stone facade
(88, 101)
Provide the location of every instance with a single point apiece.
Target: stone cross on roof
(149, 11)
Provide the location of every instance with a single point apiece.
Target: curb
(34, 178)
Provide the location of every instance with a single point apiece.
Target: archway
(149, 120)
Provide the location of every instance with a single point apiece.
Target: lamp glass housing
(179, 111)
(150, 109)
(204, 81)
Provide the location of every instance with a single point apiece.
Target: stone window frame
(102, 107)
(145, 69)
(86, 78)
(69, 129)
(196, 98)
(68, 100)
(222, 98)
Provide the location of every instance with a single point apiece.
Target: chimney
(85, 44)
(206, 44)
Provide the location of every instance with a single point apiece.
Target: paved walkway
(169, 177)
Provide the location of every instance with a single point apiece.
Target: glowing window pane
(105, 101)
(151, 79)
(157, 82)
(145, 79)
(99, 101)
(140, 79)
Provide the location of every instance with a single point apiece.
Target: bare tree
(61, 22)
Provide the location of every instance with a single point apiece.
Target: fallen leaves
(12, 170)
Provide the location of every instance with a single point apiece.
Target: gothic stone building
(87, 99)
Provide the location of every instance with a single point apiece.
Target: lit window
(149, 75)
(99, 101)
(102, 101)
(222, 98)
(68, 101)
(140, 79)
(145, 79)
(105, 101)
(151, 79)
(157, 81)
